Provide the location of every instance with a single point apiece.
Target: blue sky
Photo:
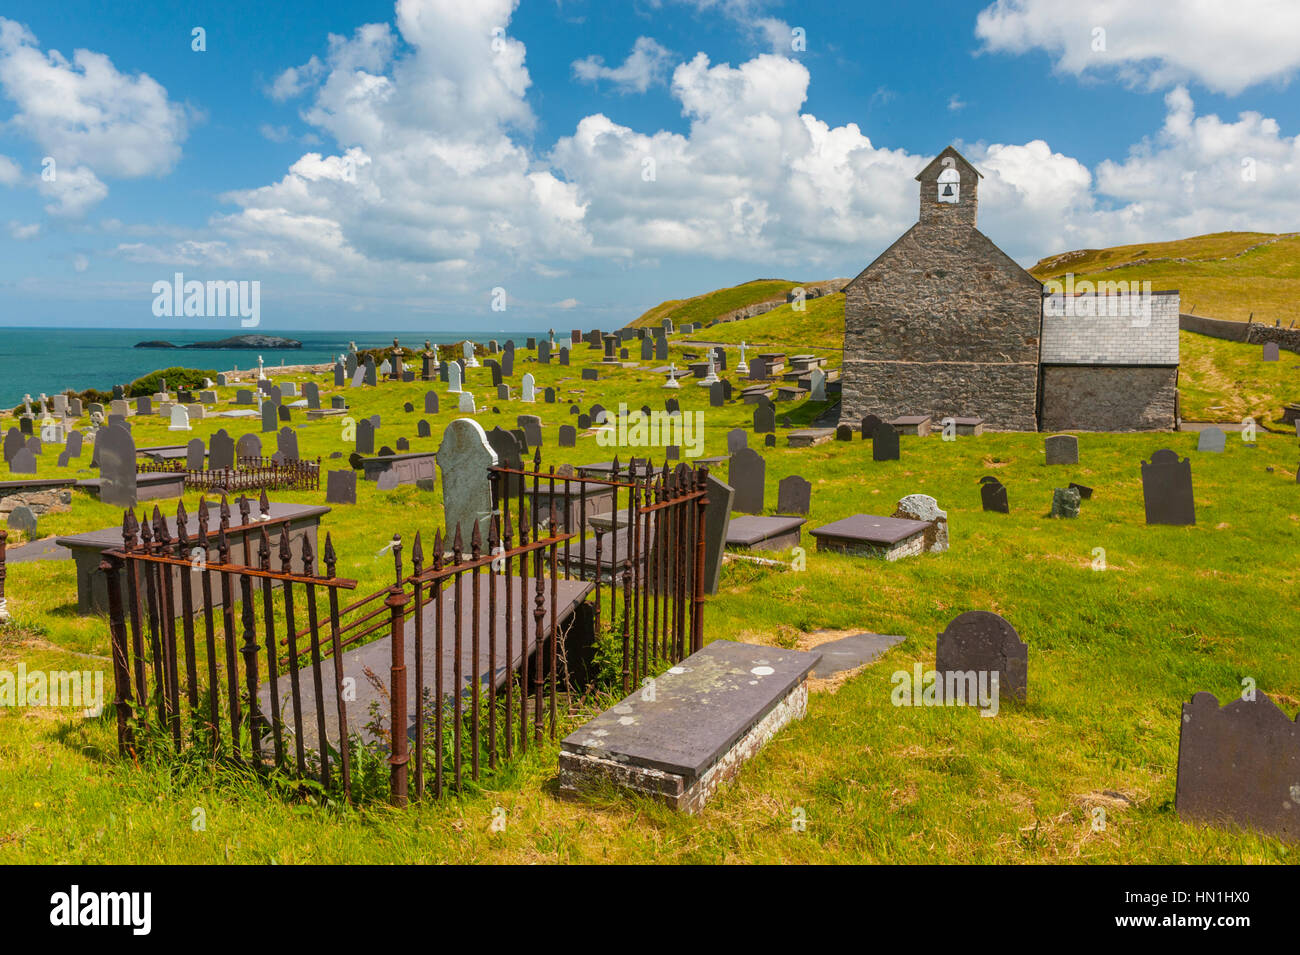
(380, 165)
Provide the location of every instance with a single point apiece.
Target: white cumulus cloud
(645, 66)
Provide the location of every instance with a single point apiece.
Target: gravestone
(422, 429)
(338, 402)
(286, 442)
(764, 419)
(661, 348)
(1239, 765)
(1167, 489)
(584, 422)
(793, 496)
(647, 350)
(465, 403)
(35, 445)
(494, 366)
(221, 451)
(717, 395)
(975, 648)
(23, 461)
(340, 375)
(283, 412)
(311, 391)
(549, 396)
(589, 374)
(564, 356)
(116, 450)
(503, 392)
(180, 419)
(248, 446)
(341, 487)
(924, 508)
(1065, 502)
(403, 445)
(527, 389)
(544, 353)
(23, 518)
(453, 377)
(884, 443)
(843, 432)
(1271, 351)
(1085, 492)
(270, 416)
(1212, 440)
(143, 406)
(74, 445)
(365, 442)
(195, 455)
(868, 425)
(769, 441)
(747, 474)
(508, 360)
(430, 402)
(568, 436)
(532, 426)
(25, 422)
(464, 458)
(717, 517)
(817, 382)
(358, 378)
(993, 495)
(757, 369)
(14, 440)
(1062, 449)
(371, 374)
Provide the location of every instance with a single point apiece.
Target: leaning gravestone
(717, 518)
(884, 443)
(195, 454)
(221, 451)
(1239, 765)
(1062, 449)
(464, 458)
(793, 496)
(23, 518)
(341, 487)
(1167, 489)
(981, 654)
(116, 450)
(1212, 440)
(747, 474)
(993, 495)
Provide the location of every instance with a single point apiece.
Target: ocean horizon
(52, 360)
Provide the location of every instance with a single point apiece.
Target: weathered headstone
(465, 403)
(793, 495)
(1065, 502)
(22, 518)
(464, 458)
(116, 450)
(922, 507)
(1212, 440)
(286, 442)
(980, 659)
(843, 432)
(180, 419)
(248, 446)
(341, 487)
(527, 389)
(195, 454)
(747, 474)
(1167, 489)
(1062, 449)
(311, 391)
(568, 436)
(23, 461)
(1271, 352)
(868, 425)
(221, 451)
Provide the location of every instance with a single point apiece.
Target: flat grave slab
(914, 424)
(150, 486)
(868, 535)
(92, 586)
(377, 657)
(852, 651)
(808, 437)
(705, 718)
(759, 532)
(314, 414)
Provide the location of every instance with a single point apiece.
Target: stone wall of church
(943, 323)
(1096, 398)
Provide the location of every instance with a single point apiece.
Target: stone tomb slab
(848, 653)
(707, 715)
(759, 532)
(869, 535)
(809, 437)
(914, 424)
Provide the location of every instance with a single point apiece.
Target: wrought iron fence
(248, 474)
(476, 631)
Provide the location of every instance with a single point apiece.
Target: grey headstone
(589, 374)
(568, 436)
(248, 446)
(884, 443)
(23, 518)
(23, 461)
(221, 451)
(747, 474)
(1065, 502)
(14, 441)
(979, 642)
(564, 356)
(270, 416)
(993, 495)
(532, 426)
(422, 429)
(340, 375)
(1167, 489)
(1062, 449)
(737, 438)
(195, 455)
(341, 487)
(430, 402)
(1271, 352)
(311, 391)
(764, 419)
(717, 395)
(717, 516)
(793, 496)
(371, 373)
(286, 442)
(1211, 439)
(365, 443)
(464, 458)
(73, 448)
(116, 450)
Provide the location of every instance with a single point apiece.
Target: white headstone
(817, 380)
(470, 360)
(453, 377)
(464, 458)
(467, 403)
(672, 381)
(743, 367)
(180, 419)
(528, 389)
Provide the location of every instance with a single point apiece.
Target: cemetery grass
(1113, 655)
(704, 308)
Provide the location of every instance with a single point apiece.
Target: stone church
(944, 323)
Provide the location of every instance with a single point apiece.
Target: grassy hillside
(1223, 275)
(705, 308)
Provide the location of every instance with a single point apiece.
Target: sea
(52, 360)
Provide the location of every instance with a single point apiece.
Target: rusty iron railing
(248, 474)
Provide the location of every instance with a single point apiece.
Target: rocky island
(267, 342)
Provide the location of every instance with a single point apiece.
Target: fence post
(397, 686)
(121, 669)
(701, 505)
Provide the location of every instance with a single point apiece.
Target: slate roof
(1110, 330)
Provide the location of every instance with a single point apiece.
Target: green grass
(705, 308)
(1113, 655)
(1229, 275)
